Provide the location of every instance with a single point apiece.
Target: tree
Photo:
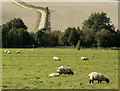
(105, 38)
(73, 37)
(66, 34)
(97, 22)
(88, 39)
(16, 23)
(52, 39)
(39, 37)
(61, 39)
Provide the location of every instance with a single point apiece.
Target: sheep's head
(107, 80)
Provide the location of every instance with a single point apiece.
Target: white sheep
(84, 58)
(54, 75)
(64, 70)
(97, 76)
(17, 51)
(8, 52)
(56, 58)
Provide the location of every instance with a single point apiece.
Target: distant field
(62, 14)
(10, 11)
(73, 14)
(30, 69)
(119, 15)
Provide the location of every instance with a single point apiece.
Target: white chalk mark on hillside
(43, 14)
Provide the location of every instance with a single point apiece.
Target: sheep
(97, 76)
(8, 52)
(64, 70)
(84, 58)
(17, 51)
(54, 75)
(56, 58)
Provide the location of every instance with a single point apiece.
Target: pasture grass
(30, 69)
(37, 22)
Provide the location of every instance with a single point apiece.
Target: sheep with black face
(97, 76)
(56, 58)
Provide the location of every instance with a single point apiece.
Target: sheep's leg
(90, 81)
(99, 81)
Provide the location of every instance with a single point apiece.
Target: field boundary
(42, 16)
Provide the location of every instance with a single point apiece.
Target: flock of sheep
(66, 70)
(9, 52)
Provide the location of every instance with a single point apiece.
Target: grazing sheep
(54, 75)
(8, 52)
(56, 58)
(84, 58)
(64, 70)
(97, 76)
(17, 51)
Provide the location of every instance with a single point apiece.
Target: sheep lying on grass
(8, 52)
(54, 75)
(97, 76)
(84, 58)
(56, 58)
(17, 51)
(64, 70)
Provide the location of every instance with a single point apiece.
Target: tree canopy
(97, 22)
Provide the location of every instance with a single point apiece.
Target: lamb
(17, 51)
(84, 58)
(64, 70)
(56, 58)
(8, 52)
(54, 75)
(97, 76)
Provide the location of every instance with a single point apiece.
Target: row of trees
(97, 31)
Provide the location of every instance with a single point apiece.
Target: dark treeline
(97, 31)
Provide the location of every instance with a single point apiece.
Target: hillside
(10, 11)
(73, 14)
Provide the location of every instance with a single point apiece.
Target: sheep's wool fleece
(54, 75)
(56, 58)
(96, 76)
(64, 69)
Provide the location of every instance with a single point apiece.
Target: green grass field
(30, 69)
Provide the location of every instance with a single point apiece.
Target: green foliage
(61, 39)
(14, 34)
(30, 69)
(97, 22)
(39, 37)
(105, 38)
(71, 36)
(15, 30)
(88, 39)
